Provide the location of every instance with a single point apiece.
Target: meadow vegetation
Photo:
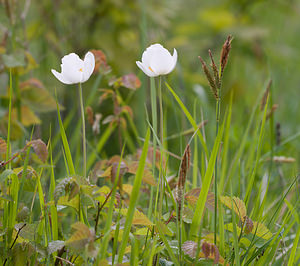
(134, 156)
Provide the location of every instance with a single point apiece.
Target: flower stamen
(81, 70)
(151, 69)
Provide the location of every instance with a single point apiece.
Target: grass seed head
(210, 79)
(225, 53)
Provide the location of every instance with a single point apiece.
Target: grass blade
(190, 118)
(65, 143)
(134, 196)
(205, 186)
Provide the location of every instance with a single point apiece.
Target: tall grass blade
(205, 186)
(189, 117)
(134, 196)
(65, 143)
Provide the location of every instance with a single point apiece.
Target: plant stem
(83, 129)
(162, 145)
(218, 104)
(154, 125)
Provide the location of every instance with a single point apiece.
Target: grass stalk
(134, 197)
(218, 106)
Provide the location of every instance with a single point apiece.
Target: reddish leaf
(40, 149)
(3, 145)
(100, 62)
(131, 81)
(192, 197)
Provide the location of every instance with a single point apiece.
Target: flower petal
(146, 69)
(161, 61)
(60, 77)
(89, 65)
(174, 56)
(72, 68)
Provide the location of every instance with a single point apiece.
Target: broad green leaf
(64, 200)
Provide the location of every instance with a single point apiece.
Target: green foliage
(52, 215)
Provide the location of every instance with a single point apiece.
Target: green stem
(154, 124)
(83, 129)
(162, 146)
(216, 165)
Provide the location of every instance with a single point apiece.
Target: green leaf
(205, 187)
(54, 246)
(60, 188)
(13, 60)
(138, 218)
(6, 173)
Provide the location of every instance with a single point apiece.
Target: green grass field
(188, 160)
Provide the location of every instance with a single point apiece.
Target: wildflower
(157, 60)
(74, 70)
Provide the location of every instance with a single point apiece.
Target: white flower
(157, 60)
(74, 70)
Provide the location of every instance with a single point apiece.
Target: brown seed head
(265, 96)
(225, 53)
(210, 79)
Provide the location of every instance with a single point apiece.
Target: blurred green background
(36, 34)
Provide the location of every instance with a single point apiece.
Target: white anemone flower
(157, 60)
(74, 70)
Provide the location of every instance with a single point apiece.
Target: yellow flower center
(81, 70)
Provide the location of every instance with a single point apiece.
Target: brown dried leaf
(211, 251)
(3, 146)
(147, 177)
(248, 225)
(238, 205)
(40, 149)
(80, 238)
(90, 115)
(28, 117)
(138, 218)
(193, 195)
(96, 125)
(190, 248)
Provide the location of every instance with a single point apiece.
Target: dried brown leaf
(40, 149)
(193, 195)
